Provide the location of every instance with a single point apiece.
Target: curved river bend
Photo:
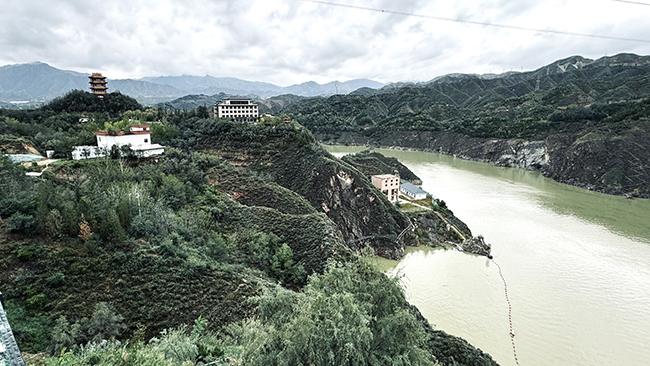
(577, 265)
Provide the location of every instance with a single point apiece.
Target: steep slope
(288, 155)
(530, 120)
(135, 249)
(205, 247)
(371, 163)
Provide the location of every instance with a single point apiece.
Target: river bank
(616, 165)
(575, 262)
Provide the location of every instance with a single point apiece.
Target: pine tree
(111, 229)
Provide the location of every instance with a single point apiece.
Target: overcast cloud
(292, 41)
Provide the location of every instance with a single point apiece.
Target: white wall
(108, 141)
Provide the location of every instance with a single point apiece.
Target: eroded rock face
(601, 161)
(476, 245)
(360, 211)
(362, 215)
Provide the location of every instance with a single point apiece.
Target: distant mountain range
(34, 83)
(579, 121)
(38, 82)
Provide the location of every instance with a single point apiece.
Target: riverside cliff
(579, 121)
(592, 160)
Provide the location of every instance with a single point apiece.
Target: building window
(146, 140)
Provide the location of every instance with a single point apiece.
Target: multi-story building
(98, 84)
(388, 184)
(237, 109)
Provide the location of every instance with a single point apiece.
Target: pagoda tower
(98, 84)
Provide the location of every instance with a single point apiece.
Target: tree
(124, 213)
(202, 112)
(63, 335)
(283, 267)
(111, 229)
(105, 323)
(350, 315)
(54, 224)
(84, 229)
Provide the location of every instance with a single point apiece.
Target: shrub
(28, 253)
(349, 315)
(20, 222)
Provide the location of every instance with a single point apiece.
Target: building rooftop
(121, 133)
(134, 129)
(411, 188)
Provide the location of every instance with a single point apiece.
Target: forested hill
(587, 107)
(237, 245)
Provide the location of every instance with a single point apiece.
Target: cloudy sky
(291, 41)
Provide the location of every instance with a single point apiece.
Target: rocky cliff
(578, 121)
(595, 160)
(289, 156)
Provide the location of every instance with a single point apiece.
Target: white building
(412, 191)
(388, 184)
(237, 109)
(138, 138)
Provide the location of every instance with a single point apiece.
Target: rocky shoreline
(617, 165)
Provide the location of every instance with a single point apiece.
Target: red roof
(120, 133)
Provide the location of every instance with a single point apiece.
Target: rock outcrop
(289, 156)
(476, 245)
(600, 161)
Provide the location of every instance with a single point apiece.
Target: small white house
(412, 191)
(138, 138)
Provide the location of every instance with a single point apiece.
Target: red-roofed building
(138, 138)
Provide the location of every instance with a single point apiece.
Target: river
(577, 265)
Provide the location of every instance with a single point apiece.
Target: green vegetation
(288, 155)
(349, 315)
(417, 108)
(371, 163)
(589, 124)
(526, 105)
(56, 125)
(110, 261)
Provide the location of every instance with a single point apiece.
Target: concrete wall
(107, 141)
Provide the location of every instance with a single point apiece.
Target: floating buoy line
(512, 332)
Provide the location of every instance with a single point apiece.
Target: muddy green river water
(577, 265)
